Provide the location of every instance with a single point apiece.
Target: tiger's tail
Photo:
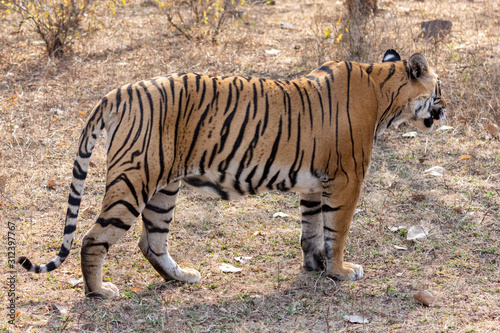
(88, 138)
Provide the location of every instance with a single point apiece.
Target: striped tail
(88, 138)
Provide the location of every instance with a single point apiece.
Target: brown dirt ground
(44, 102)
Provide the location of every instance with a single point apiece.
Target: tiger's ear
(391, 55)
(418, 65)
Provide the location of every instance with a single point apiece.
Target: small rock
(494, 130)
(280, 214)
(424, 297)
(417, 232)
(243, 260)
(437, 171)
(445, 128)
(226, 268)
(396, 229)
(355, 319)
(272, 51)
(410, 135)
(284, 25)
(257, 299)
(73, 281)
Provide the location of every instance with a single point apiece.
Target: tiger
(232, 136)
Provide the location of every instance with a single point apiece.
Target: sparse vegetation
(44, 102)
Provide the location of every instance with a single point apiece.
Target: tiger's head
(428, 104)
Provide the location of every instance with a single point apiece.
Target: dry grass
(43, 106)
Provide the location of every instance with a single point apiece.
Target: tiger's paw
(108, 290)
(349, 272)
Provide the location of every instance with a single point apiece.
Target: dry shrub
(55, 21)
(361, 8)
(199, 19)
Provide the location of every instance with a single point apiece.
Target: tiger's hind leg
(156, 217)
(119, 211)
(312, 236)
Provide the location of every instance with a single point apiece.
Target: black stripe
(271, 158)
(159, 210)
(312, 212)
(195, 136)
(326, 208)
(309, 204)
(272, 180)
(70, 215)
(392, 70)
(329, 229)
(78, 172)
(169, 193)
(266, 115)
(255, 100)
(68, 229)
(326, 69)
(105, 244)
(115, 222)
(73, 201)
(73, 189)
(129, 206)
(212, 156)
(123, 177)
(349, 69)
(225, 163)
(63, 252)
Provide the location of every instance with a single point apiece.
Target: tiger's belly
(229, 186)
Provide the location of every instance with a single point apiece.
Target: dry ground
(44, 103)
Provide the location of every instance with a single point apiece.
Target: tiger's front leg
(338, 210)
(312, 236)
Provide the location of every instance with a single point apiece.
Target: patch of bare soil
(44, 103)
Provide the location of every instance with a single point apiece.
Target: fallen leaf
(226, 268)
(259, 232)
(397, 247)
(280, 214)
(73, 281)
(49, 184)
(272, 51)
(243, 260)
(465, 157)
(92, 163)
(57, 110)
(458, 210)
(462, 120)
(257, 299)
(355, 319)
(424, 297)
(494, 130)
(410, 135)
(418, 197)
(437, 171)
(284, 25)
(136, 289)
(62, 309)
(417, 232)
(445, 128)
(3, 182)
(396, 229)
